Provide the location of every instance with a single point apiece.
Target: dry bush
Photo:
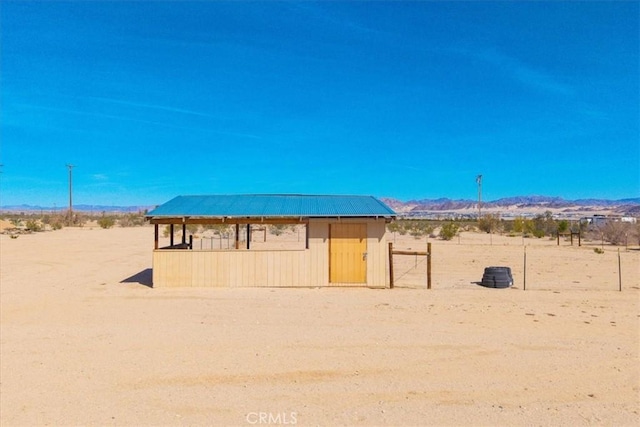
(489, 223)
(131, 220)
(106, 222)
(617, 233)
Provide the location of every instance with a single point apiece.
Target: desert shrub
(277, 229)
(538, 233)
(598, 250)
(131, 220)
(33, 225)
(489, 223)
(544, 225)
(402, 226)
(563, 226)
(177, 229)
(427, 228)
(80, 219)
(448, 231)
(416, 233)
(529, 227)
(394, 227)
(218, 229)
(519, 225)
(415, 227)
(418, 229)
(106, 222)
(616, 232)
(57, 224)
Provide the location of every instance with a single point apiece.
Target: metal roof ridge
(274, 205)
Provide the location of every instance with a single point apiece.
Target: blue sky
(394, 99)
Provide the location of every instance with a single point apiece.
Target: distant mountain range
(622, 206)
(78, 208)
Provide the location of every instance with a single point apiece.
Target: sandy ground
(84, 340)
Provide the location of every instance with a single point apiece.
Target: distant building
(600, 220)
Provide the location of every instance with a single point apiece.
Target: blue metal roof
(272, 205)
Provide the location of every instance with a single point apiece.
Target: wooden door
(348, 253)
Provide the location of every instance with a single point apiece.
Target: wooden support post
(390, 265)
(171, 233)
(237, 236)
(155, 236)
(248, 235)
(428, 265)
(579, 241)
(184, 233)
(191, 241)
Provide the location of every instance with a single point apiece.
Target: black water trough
(497, 277)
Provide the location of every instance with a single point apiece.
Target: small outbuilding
(345, 242)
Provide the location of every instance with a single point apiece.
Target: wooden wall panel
(319, 252)
(234, 268)
(241, 268)
(377, 254)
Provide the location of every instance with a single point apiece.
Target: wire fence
(539, 264)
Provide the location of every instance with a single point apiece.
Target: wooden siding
(234, 268)
(284, 268)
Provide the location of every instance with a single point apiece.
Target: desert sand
(84, 339)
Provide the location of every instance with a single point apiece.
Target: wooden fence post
(428, 265)
(619, 272)
(524, 273)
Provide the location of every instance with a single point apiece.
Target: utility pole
(479, 182)
(70, 166)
